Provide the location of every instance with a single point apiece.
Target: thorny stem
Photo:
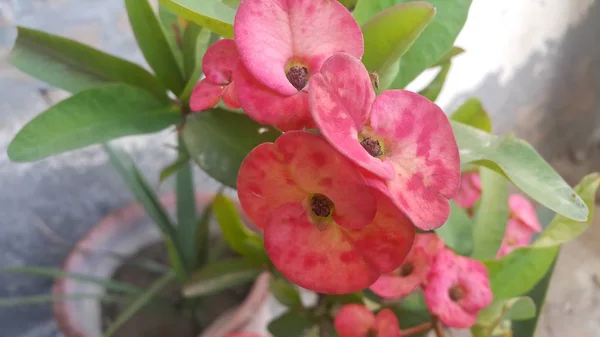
(437, 327)
(416, 330)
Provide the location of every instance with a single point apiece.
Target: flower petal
(206, 95)
(340, 100)
(323, 261)
(431, 243)
(469, 191)
(517, 235)
(271, 33)
(393, 285)
(522, 209)
(230, 96)
(355, 320)
(474, 277)
(270, 107)
(424, 152)
(220, 61)
(387, 324)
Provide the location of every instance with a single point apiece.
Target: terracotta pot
(119, 236)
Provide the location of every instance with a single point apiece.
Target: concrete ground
(535, 64)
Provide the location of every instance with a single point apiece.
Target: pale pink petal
(387, 324)
(469, 191)
(322, 260)
(431, 243)
(319, 168)
(522, 209)
(396, 284)
(206, 95)
(244, 335)
(272, 33)
(269, 107)
(473, 276)
(230, 96)
(355, 320)
(220, 61)
(340, 100)
(517, 235)
(421, 145)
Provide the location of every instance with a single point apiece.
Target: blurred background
(535, 65)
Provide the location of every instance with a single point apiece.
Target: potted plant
(397, 216)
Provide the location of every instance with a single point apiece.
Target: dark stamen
(298, 77)
(372, 146)
(321, 205)
(371, 333)
(406, 269)
(456, 293)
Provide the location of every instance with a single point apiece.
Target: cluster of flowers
(338, 206)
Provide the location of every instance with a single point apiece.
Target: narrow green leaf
(457, 232)
(186, 210)
(173, 32)
(57, 273)
(473, 114)
(138, 304)
(491, 215)
(455, 51)
(520, 163)
(285, 293)
(73, 66)
(204, 247)
(235, 232)
(291, 324)
(90, 117)
(194, 77)
(173, 168)
(220, 275)
(489, 318)
(195, 44)
(153, 42)
(433, 89)
(218, 140)
(175, 259)
(212, 14)
(41, 299)
(389, 34)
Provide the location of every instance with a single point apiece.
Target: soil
(167, 317)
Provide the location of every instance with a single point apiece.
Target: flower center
(456, 293)
(321, 205)
(372, 146)
(298, 77)
(406, 269)
(511, 241)
(371, 333)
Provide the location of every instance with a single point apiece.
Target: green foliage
(517, 308)
(433, 89)
(203, 41)
(491, 216)
(285, 293)
(293, 323)
(218, 140)
(390, 34)
(187, 222)
(75, 67)
(473, 114)
(90, 117)
(212, 14)
(457, 232)
(523, 166)
(173, 32)
(153, 42)
(220, 275)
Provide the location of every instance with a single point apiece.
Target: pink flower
(282, 44)
(413, 272)
(355, 320)
(469, 191)
(457, 289)
(218, 65)
(324, 228)
(521, 226)
(400, 137)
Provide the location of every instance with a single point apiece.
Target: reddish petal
(355, 320)
(340, 99)
(431, 244)
(264, 184)
(394, 285)
(469, 191)
(473, 276)
(522, 209)
(269, 107)
(270, 33)
(230, 96)
(206, 95)
(387, 324)
(319, 260)
(219, 61)
(424, 152)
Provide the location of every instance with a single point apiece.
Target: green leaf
(235, 232)
(138, 304)
(186, 210)
(389, 34)
(173, 168)
(57, 274)
(520, 163)
(220, 275)
(357, 298)
(435, 41)
(204, 247)
(414, 302)
(349, 4)
(491, 215)
(218, 140)
(473, 114)
(457, 232)
(73, 66)
(285, 293)
(41, 299)
(489, 318)
(212, 14)
(433, 89)
(173, 32)
(90, 117)
(194, 76)
(291, 324)
(522, 309)
(455, 51)
(195, 44)
(153, 42)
